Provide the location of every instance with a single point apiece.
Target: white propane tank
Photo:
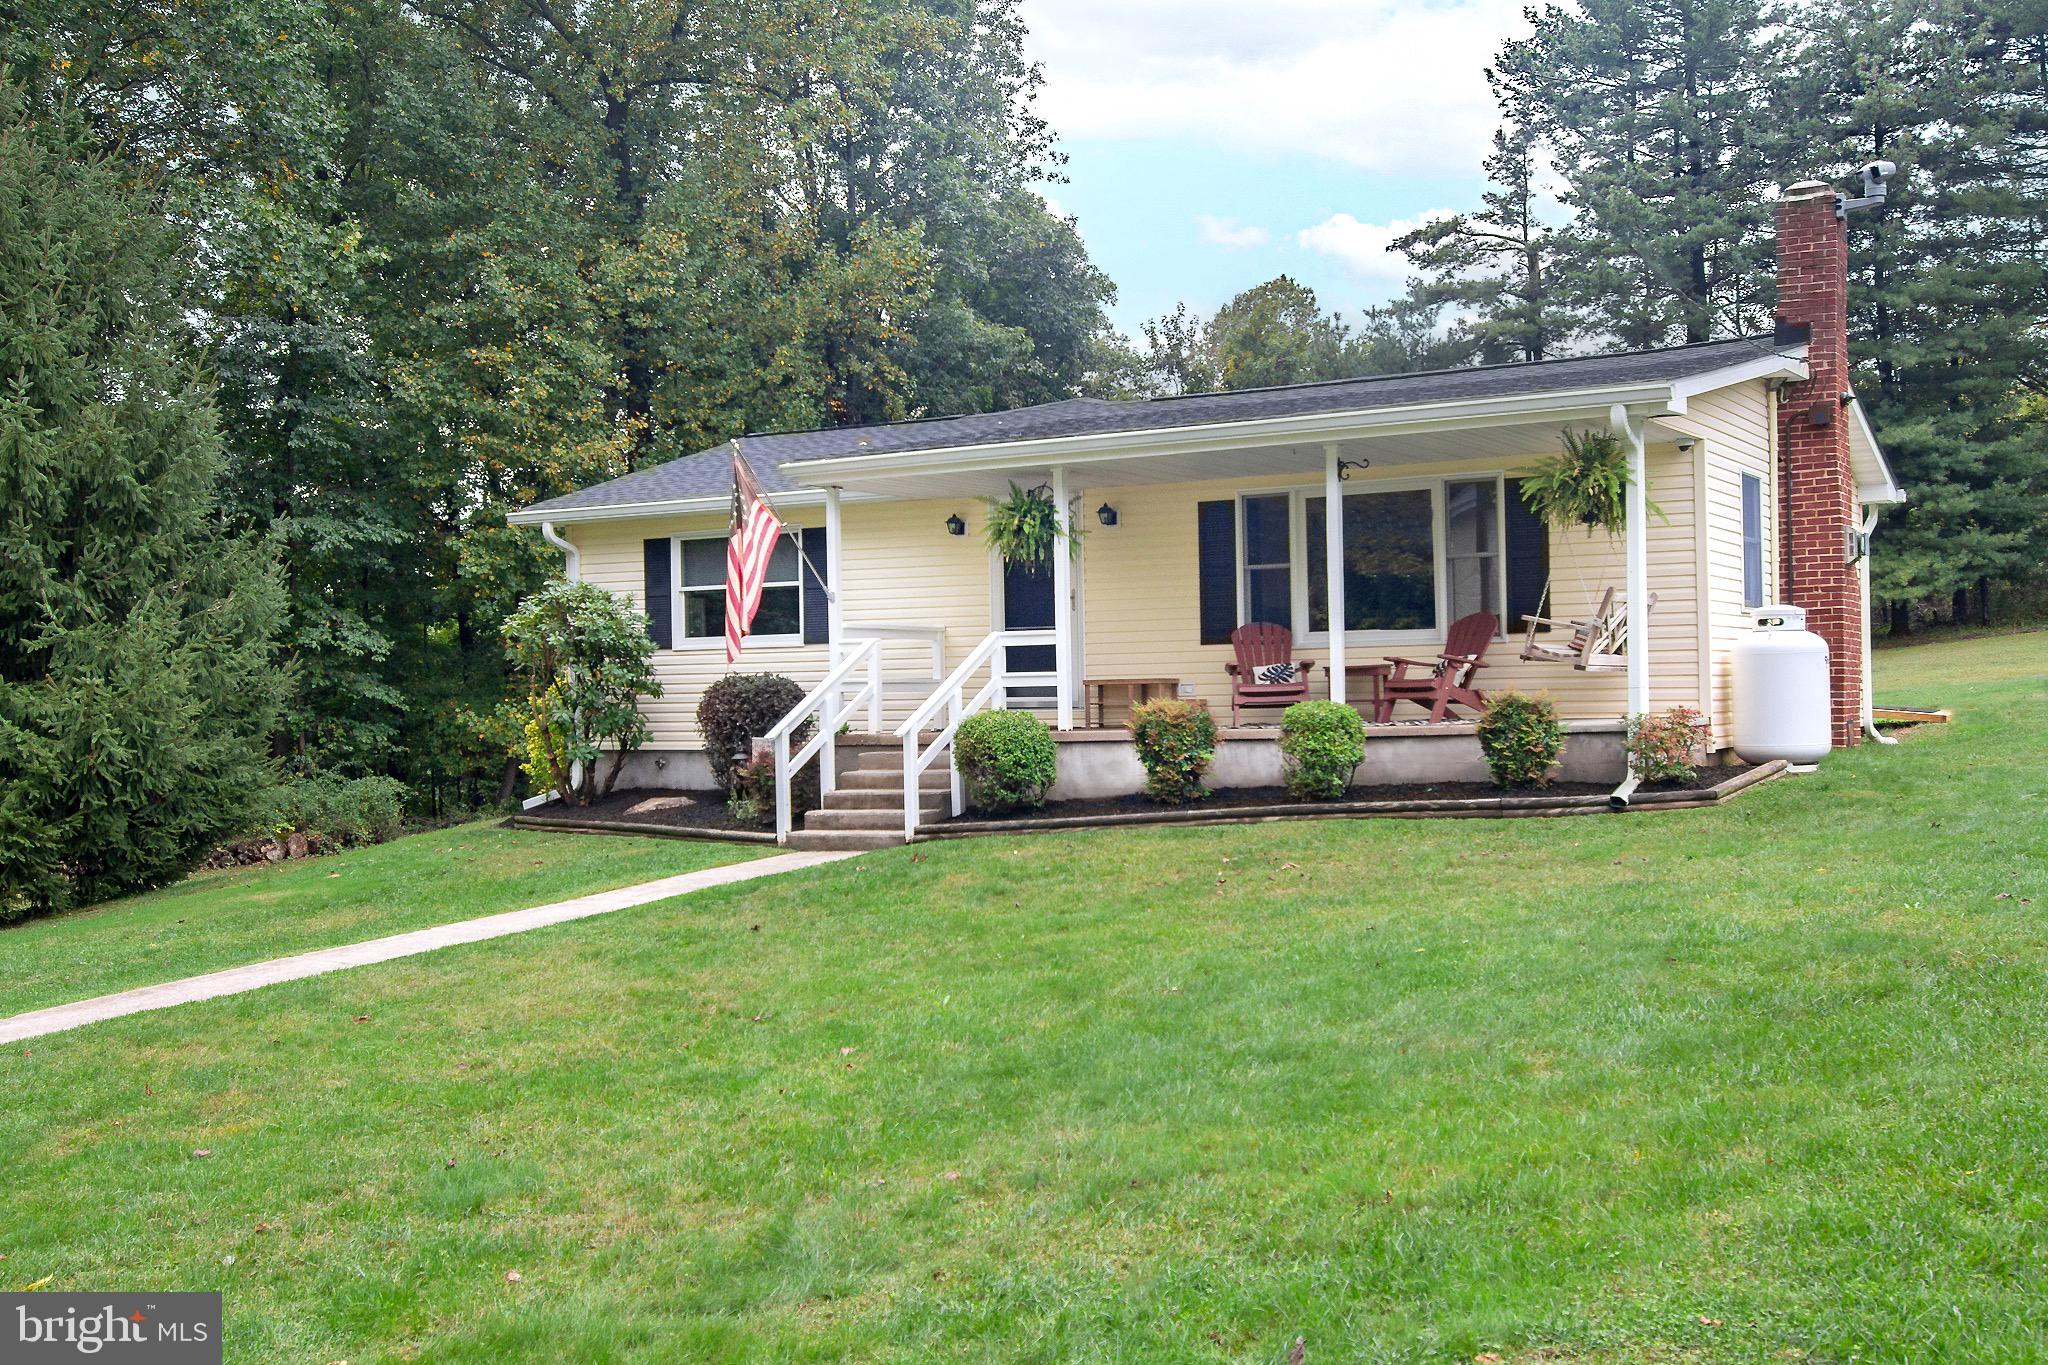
(1781, 689)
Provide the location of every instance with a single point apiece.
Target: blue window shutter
(659, 599)
(1216, 568)
(817, 611)
(1752, 541)
(1528, 550)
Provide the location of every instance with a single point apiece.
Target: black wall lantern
(955, 526)
(1106, 515)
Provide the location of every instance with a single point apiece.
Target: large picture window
(1389, 561)
(700, 594)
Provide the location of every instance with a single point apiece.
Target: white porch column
(1636, 539)
(1333, 565)
(1063, 599)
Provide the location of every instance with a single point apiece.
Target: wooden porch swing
(1598, 644)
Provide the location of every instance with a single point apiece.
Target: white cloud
(1366, 248)
(1386, 85)
(1227, 232)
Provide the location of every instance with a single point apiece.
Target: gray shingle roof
(708, 474)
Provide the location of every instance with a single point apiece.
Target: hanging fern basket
(1585, 486)
(1025, 527)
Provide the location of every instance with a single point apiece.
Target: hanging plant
(1585, 486)
(1024, 527)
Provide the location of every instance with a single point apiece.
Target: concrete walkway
(236, 980)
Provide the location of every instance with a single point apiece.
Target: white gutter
(572, 566)
(667, 507)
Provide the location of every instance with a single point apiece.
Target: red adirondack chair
(1446, 680)
(1261, 645)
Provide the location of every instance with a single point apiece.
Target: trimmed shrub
(1321, 744)
(1522, 738)
(736, 710)
(1007, 759)
(339, 811)
(1663, 747)
(1176, 741)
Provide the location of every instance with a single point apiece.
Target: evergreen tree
(1664, 118)
(1499, 266)
(137, 675)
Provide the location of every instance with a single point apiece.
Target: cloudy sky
(1215, 144)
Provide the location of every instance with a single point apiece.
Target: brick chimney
(1817, 491)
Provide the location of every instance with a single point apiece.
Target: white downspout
(572, 565)
(572, 571)
(1636, 542)
(1870, 515)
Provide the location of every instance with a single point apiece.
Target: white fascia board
(1782, 365)
(674, 507)
(1305, 429)
(1876, 484)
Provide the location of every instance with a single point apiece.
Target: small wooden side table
(1377, 675)
(1095, 704)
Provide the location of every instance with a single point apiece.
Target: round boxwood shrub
(1007, 760)
(1522, 738)
(1321, 745)
(1175, 741)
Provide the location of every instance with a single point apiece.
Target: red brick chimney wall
(1817, 492)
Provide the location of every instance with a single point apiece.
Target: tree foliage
(138, 681)
(586, 663)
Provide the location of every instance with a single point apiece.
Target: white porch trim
(1063, 599)
(1333, 564)
(1636, 540)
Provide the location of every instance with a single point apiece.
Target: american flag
(755, 530)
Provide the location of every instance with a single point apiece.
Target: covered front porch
(1398, 532)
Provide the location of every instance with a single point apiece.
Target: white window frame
(676, 591)
(1295, 550)
(1437, 485)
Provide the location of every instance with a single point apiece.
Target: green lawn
(224, 919)
(1760, 1083)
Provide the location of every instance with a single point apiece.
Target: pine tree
(1499, 266)
(1662, 115)
(137, 677)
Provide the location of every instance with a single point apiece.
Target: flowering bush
(1522, 738)
(1665, 747)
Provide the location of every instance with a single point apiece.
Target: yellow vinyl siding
(900, 567)
(1734, 429)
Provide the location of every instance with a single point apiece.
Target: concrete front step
(930, 799)
(861, 780)
(844, 840)
(855, 819)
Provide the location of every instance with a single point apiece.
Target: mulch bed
(680, 814)
(1405, 801)
(1240, 797)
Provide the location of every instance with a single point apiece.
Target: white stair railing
(828, 702)
(951, 697)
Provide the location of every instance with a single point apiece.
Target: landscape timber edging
(649, 830)
(1486, 807)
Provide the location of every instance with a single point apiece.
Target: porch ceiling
(1504, 442)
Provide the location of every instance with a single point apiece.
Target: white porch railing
(932, 636)
(951, 697)
(828, 702)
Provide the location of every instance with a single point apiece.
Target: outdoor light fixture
(955, 526)
(1106, 515)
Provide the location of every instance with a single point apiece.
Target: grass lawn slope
(1767, 1082)
(224, 919)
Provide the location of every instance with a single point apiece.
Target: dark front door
(1027, 605)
